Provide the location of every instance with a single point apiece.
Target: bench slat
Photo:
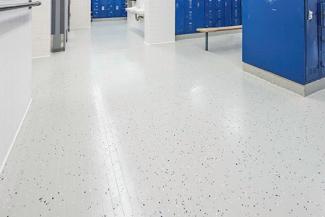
(218, 29)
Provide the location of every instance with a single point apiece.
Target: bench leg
(206, 41)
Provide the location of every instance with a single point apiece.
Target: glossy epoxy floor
(118, 128)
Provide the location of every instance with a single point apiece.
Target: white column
(159, 21)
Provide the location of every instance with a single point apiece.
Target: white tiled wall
(80, 14)
(159, 21)
(15, 74)
(42, 29)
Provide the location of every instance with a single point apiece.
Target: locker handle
(310, 15)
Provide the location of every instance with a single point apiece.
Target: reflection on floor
(118, 128)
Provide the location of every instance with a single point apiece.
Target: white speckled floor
(118, 128)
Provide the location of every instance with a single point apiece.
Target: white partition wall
(15, 74)
(159, 21)
(80, 14)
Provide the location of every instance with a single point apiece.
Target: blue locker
(209, 13)
(199, 12)
(109, 5)
(119, 8)
(228, 13)
(193, 14)
(220, 13)
(108, 8)
(236, 12)
(189, 16)
(290, 42)
(214, 13)
(98, 9)
(180, 17)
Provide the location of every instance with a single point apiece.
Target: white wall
(80, 14)
(159, 21)
(15, 74)
(41, 29)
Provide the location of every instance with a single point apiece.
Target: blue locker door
(220, 13)
(228, 12)
(111, 11)
(99, 8)
(281, 48)
(189, 16)
(124, 14)
(120, 8)
(194, 15)
(180, 17)
(217, 12)
(199, 11)
(95, 8)
(236, 12)
(210, 13)
(103, 8)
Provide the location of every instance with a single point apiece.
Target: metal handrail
(29, 5)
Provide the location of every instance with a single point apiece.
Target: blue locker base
(303, 90)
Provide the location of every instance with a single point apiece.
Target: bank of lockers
(189, 15)
(193, 14)
(108, 8)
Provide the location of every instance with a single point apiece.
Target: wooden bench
(218, 29)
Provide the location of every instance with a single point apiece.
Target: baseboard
(159, 43)
(314, 87)
(15, 137)
(303, 90)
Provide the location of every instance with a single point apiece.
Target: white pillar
(159, 21)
